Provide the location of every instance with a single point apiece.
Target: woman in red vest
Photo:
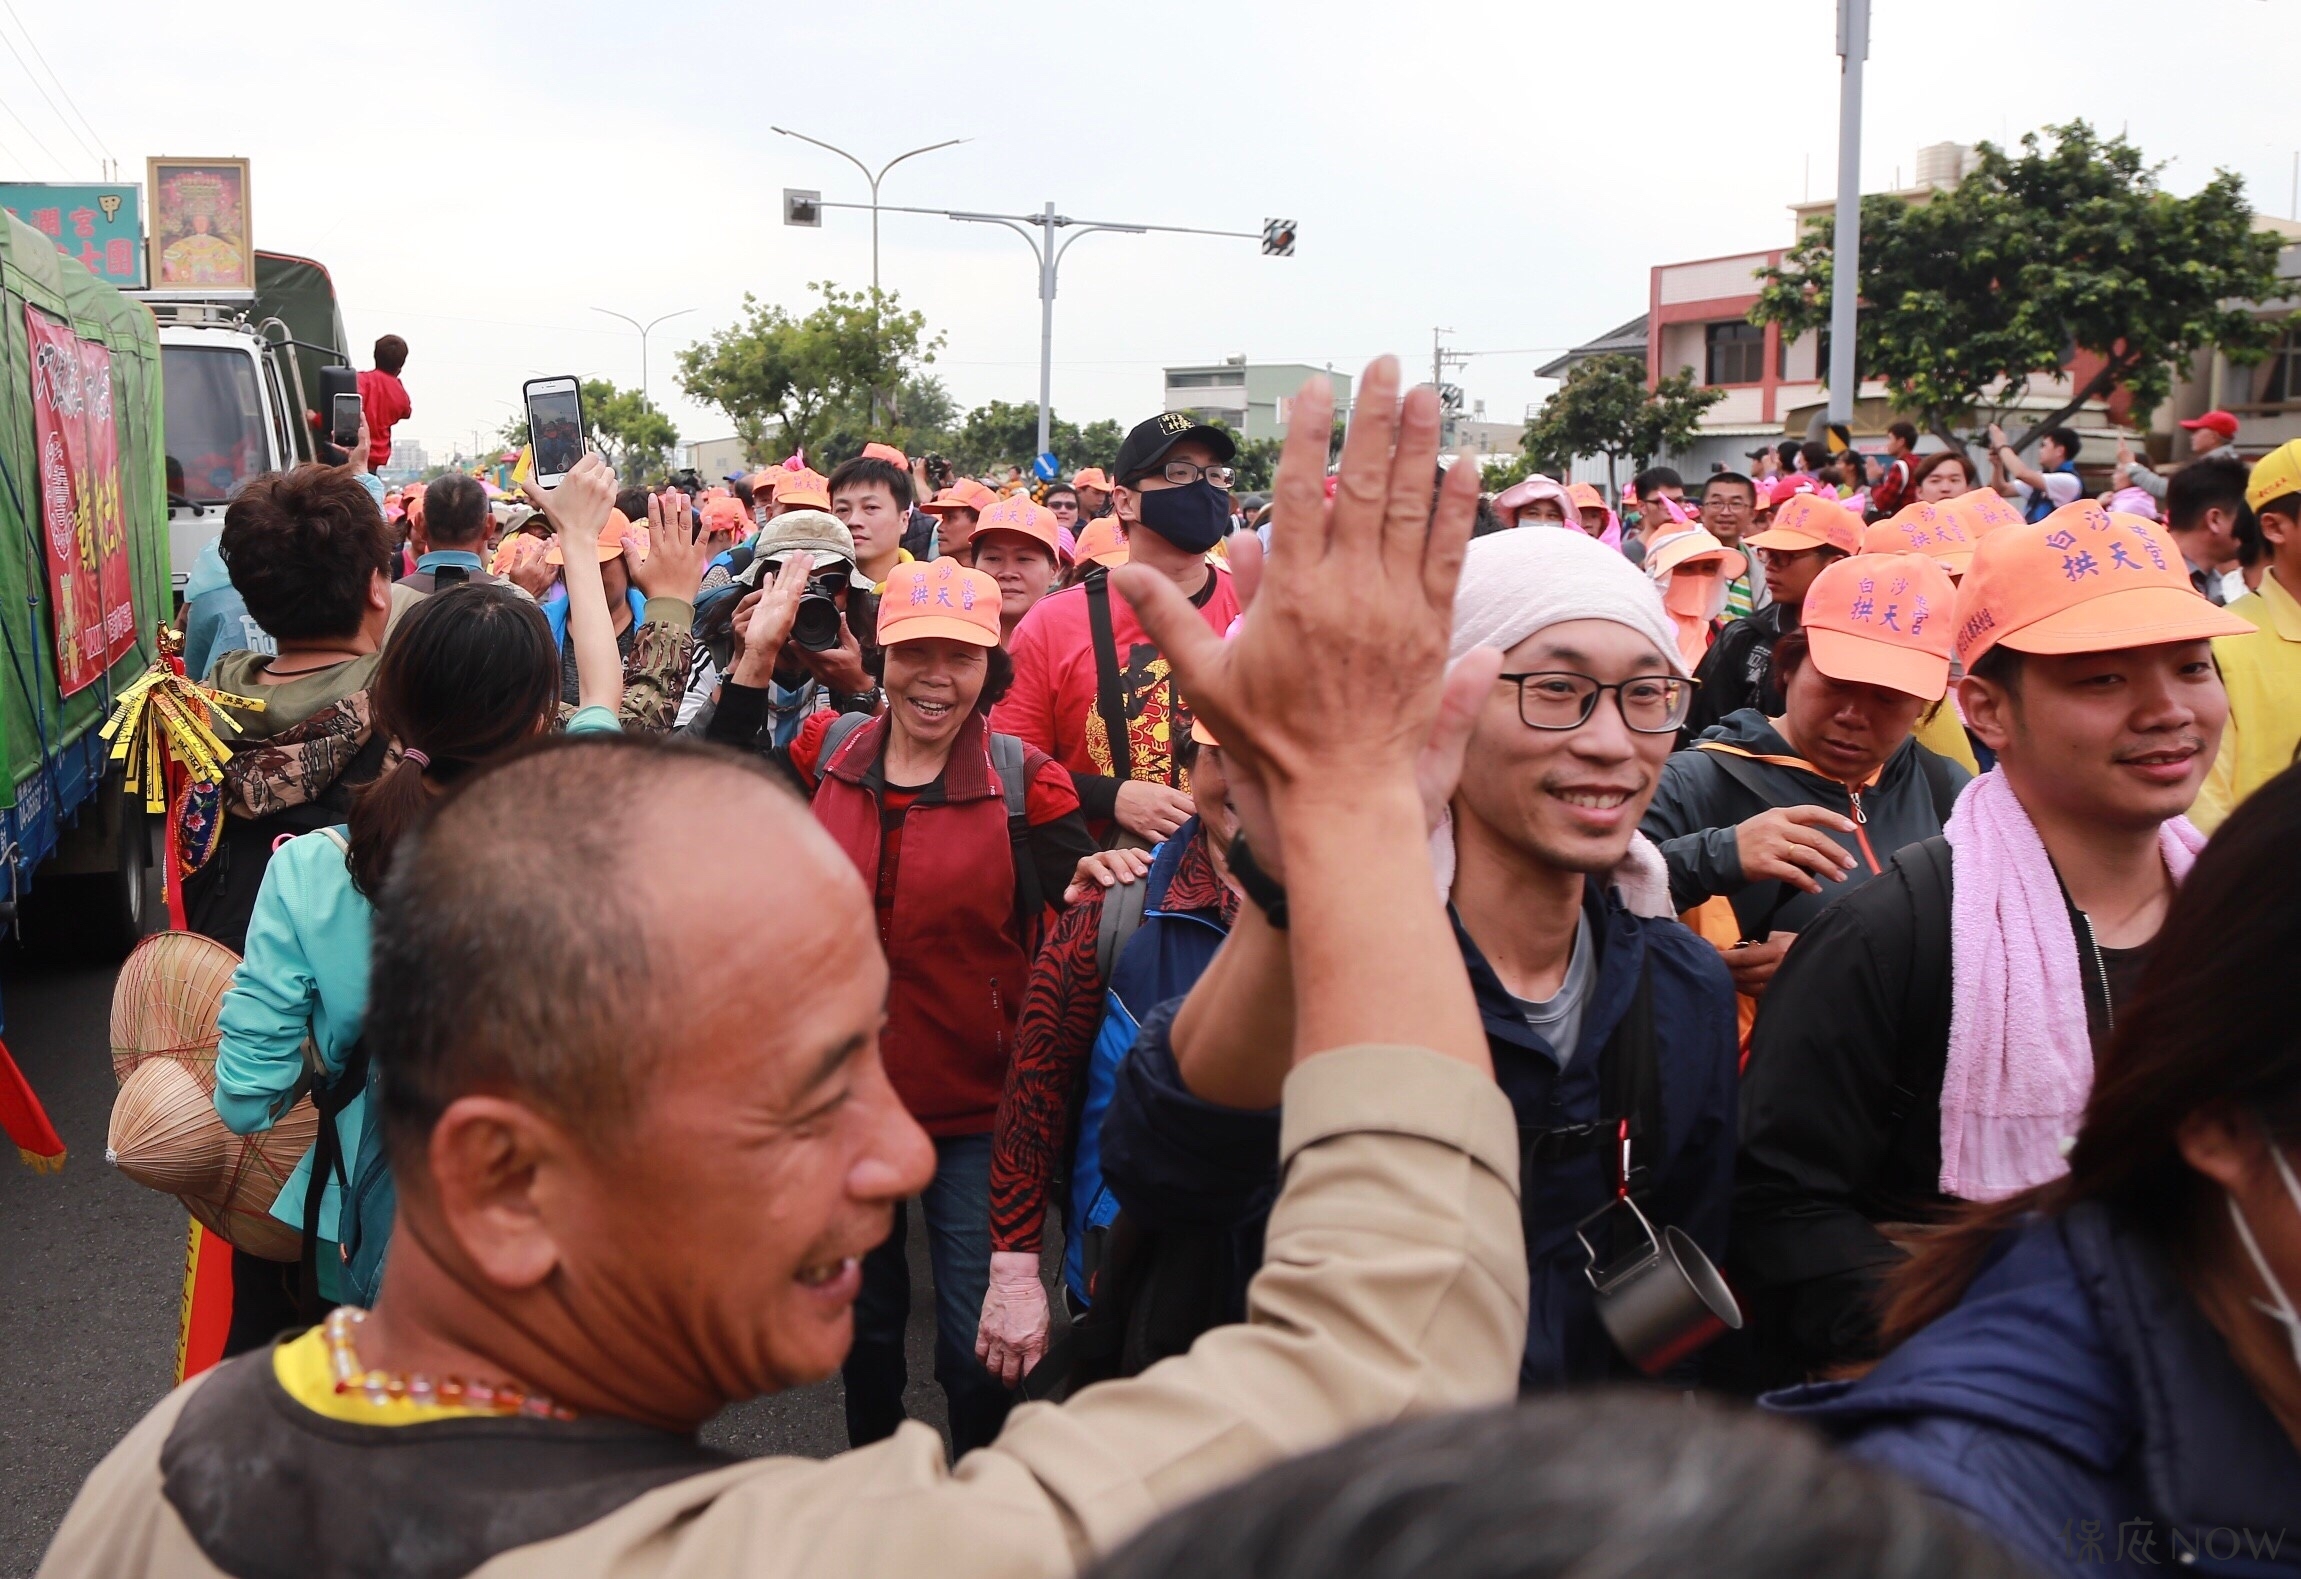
(965, 838)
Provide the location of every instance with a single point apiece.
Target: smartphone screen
(344, 422)
(555, 424)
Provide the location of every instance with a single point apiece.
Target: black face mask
(1193, 517)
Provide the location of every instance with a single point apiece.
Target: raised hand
(769, 625)
(675, 553)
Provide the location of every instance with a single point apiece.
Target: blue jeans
(958, 1207)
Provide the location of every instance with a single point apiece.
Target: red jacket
(384, 398)
(956, 965)
(1052, 703)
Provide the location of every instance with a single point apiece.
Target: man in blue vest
(2046, 487)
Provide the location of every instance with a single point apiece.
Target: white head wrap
(1517, 583)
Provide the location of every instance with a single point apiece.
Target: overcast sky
(478, 175)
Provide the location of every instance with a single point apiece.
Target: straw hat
(165, 1133)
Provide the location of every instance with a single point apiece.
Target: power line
(60, 88)
(35, 136)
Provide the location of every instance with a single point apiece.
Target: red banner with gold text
(77, 498)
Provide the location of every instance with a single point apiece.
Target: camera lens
(816, 624)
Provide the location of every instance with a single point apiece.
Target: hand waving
(676, 552)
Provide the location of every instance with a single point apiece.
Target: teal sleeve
(267, 1012)
(594, 720)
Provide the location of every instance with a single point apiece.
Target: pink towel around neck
(2020, 1063)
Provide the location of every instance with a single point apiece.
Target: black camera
(938, 470)
(815, 626)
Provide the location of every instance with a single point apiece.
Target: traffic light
(1278, 238)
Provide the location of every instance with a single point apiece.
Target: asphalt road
(91, 1268)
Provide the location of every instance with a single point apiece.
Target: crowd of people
(1309, 963)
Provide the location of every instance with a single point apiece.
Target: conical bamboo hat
(166, 1000)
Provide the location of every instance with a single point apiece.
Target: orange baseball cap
(1090, 477)
(2084, 579)
(1811, 520)
(888, 453)
(1982, 511)
(945, 598)
(1882, 619)
(1921, 528)
(1584, 497)
(610, 540)
(965, 494)
(1102, 542)
(1023, 518)
(723, 512)
(805, 488)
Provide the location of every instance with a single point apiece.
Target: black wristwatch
(1268, 895)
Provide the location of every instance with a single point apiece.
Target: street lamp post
(874, 181)
(644, 329)
(1846, 250)
(1046, 222)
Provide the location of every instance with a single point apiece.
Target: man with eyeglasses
(1091, 689)
(1601, 1012)
(1729, 507)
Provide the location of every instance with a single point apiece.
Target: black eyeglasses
(1182, 474)
(1650, 705)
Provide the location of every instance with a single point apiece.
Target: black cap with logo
(1147, 446)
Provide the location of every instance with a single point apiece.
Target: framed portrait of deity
(201, 235)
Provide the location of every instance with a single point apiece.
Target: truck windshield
(215, 422)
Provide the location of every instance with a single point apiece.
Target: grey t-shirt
(1558, 1020)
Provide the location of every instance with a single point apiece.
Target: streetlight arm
(1029, 240)
(667, 317)
(626, 317)
(1072, 240)
(949, 142)
(827, 147)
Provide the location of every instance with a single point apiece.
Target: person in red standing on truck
(384, 398)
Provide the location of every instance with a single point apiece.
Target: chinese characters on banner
(82, 517)
(100, 226)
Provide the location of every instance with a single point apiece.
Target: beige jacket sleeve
(1393, 1283)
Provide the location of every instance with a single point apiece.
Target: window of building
(1737, 352)
(1234, 378)
(2284, 385)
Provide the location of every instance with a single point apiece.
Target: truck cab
(229, 418)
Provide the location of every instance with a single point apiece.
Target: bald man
(637, 1172)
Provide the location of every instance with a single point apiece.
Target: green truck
(62, 814)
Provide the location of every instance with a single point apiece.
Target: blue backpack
(1141, 967)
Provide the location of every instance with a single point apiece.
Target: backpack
(1007, 756)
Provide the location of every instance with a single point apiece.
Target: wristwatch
(1268, 895)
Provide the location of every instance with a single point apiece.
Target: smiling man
(1580, 976)
(1930, 1038)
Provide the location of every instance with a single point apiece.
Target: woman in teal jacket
(469, 674)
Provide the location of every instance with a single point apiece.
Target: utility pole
(874, 181)
(1440, 360)
(1038, 232)
(644, 329)
(1846, 250)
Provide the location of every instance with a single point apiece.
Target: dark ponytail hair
(468, 674)
(2210, 1026)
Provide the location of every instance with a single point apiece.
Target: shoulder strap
(1926, 868)
(330, 1097)
(1122, 918)
(1008, 756)
(1630, 1074)
(1108, 700)
(335, 836)
(835, 735)
(1938, 782)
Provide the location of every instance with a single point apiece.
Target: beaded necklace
(424, 1392)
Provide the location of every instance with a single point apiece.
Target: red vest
(956, 968)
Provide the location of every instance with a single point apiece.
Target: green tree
(799, 379)
(1098, 446)
(2069, 246)
(630, 432)
(1604, 408)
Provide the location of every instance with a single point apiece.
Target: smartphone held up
(554, 426)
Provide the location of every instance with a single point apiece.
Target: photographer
(801, 656)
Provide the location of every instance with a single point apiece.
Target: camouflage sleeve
(654, 677)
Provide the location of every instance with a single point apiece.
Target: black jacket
(1738, 670)
(1841, 1110)
(1177, 1163)
(1744, 767)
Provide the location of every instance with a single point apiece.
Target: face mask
(1191, 517)
(2281, 1312)
(1689, 596)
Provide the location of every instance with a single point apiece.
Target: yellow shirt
(2263, 673)
(1944, 735)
